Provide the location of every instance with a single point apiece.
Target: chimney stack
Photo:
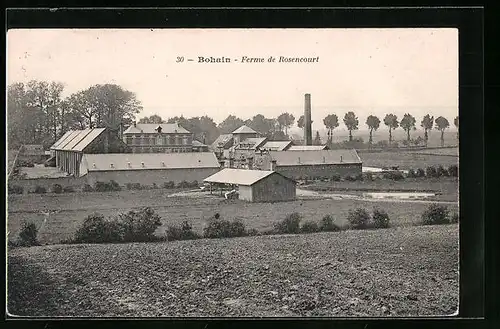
(307, 120)
(273, 165)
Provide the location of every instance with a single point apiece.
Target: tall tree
(373, 123)
(408, 123)
(391, 121)
(300, 122)
(317, 139)
(331, 121)
(262, 125)
(442, 123)
(285, 120)
(155, 118)
(230, 124)
(455, 121)
(351, 122)
(427, 123)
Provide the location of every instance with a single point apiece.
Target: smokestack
(307, 120)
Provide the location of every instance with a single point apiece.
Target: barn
(148, 168)
(256, 185)
(312, 164)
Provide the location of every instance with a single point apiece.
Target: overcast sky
(368, 71)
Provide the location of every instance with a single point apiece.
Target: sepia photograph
(271, 172)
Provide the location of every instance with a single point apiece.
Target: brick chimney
(307, 120)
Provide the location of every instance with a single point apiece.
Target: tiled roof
(276, 145)
(152, 128)
(239, 176)
(293, 158)
(145, 161)
(222, 141)
(251, 143)
(244, 130)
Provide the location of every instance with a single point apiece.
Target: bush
(453, 171)
(183, 184)
(96, 229)
(253, 232)
(435, 215)
(353, 178)
(222, 228)
(154, 186)
(40, 190)
(133, 186)
(182, 232)
(140, 226)
(420, 172)
(290, 225)
(169, 184)
(28, 235)
(431, 172)
(327, 224)
(87, 188)
(368, 176)
(394, 175)
(69, 189)
(412, 173)
(380, 219)
(57, 188)
(454, 218)
(194, 183)
(107, 187)
(440, 171)
(358, 219)
(335, 178)
(15, 189)
(309, 227)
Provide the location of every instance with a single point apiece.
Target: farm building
(307, 148)
(225, 143)
(158, 138)
(276, 146)
(256, 185)
(312, 164)
(199, 146)
(69, 149)
(148, 169)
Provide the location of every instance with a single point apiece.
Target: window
(151, 140)
(129, 140)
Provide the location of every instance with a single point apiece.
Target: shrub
(253, 232)
(420, 172)
(222, 228)
(435, 214)
(412, 173)
(28, 235)
(350, 178)
(96, 229)
(335, 178)
(87, 188)
(290, 225)
(57, 188)
(154, 186)
(309, 227)
(358, 218)
(194, 183)
(181, 232)
(169, 184)
(134, 186)
(394, 175)
(183, 184)
(431, 172)
(139, 226)
(440, 171)
(15, 189)
(453, 171)
(380, 219)
(107, 187)
(327, 224)
(40, 190)
(454, 218)
(69, 189)
(368, 176)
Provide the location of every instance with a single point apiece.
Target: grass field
(72, 208)
(389, 272)
(408, 160)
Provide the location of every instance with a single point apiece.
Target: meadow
(410, 159)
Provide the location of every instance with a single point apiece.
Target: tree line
(39, 114)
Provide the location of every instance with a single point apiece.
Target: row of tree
(39, 114)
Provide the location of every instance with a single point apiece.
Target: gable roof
(89, 138)
(276, 145)
(197, 143)
(151, 128)
(222, 141)
(135, 161)
(244, 130)
(77, 140)
(307, 147)
(293, 158)
(240, 176)
(251, 143)
(61, 140)
(71, 136)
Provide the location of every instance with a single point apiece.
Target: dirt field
(390, 272)
(64, 213)
(407, 160)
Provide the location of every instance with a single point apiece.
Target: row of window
(158, 141)
(160, 150)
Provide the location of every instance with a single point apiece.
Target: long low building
(148, 169)
(312, 164)
(257, 185)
